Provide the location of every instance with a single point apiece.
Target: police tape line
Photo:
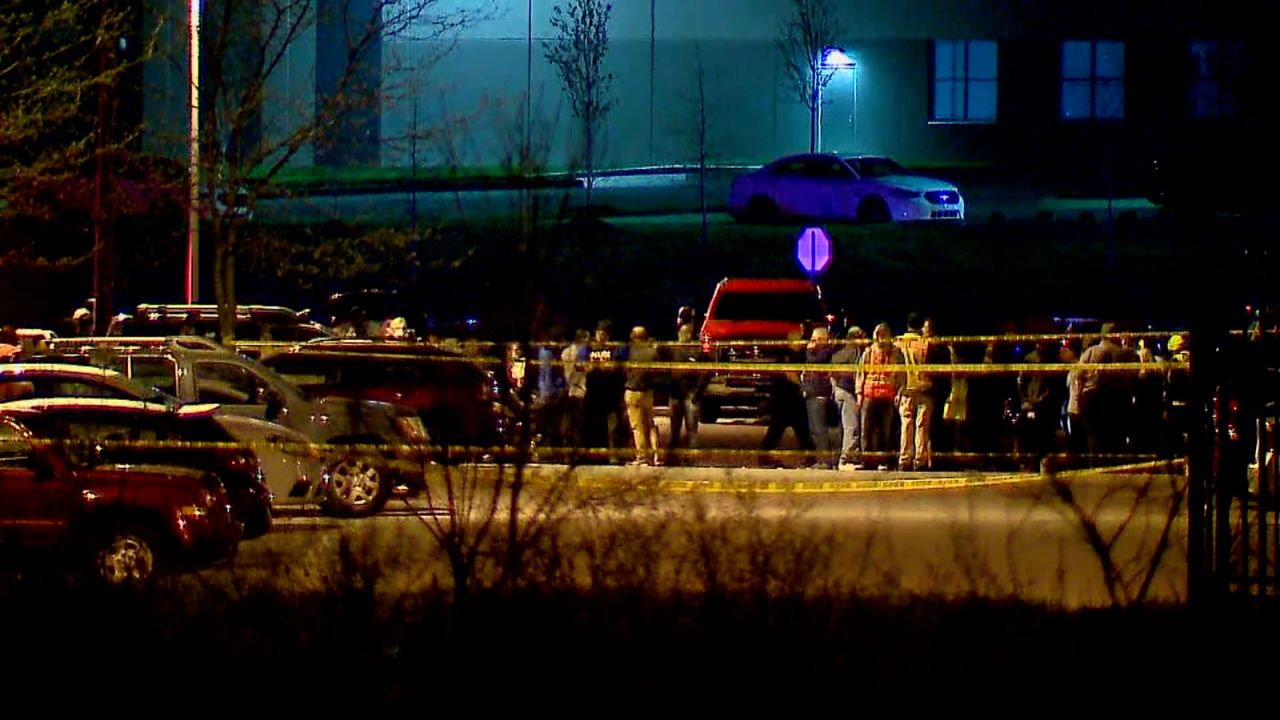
(734, 367)
(603, 474)
(490, 345)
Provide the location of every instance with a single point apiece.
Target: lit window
(1092, 80)
(1216, 69)
(964, 81)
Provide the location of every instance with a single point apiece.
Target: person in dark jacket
(815, 388)
(606, 417)
(687, 386)
(844, 386)
(785, 405)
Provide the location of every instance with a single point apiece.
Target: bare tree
(810, 30)
(577, 53)
(245, 141)
(62, 65)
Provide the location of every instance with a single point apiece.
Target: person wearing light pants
(844, 386)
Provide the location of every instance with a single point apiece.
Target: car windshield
(873, 167)
(769, 307)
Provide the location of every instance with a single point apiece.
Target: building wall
(464, 102)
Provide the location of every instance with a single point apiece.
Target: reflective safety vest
(878, 385)
(914, 349)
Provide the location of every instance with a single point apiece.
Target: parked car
(292, 466)
(119, 524)
(104, 430)
(865, 188)
(749, 320)
(254, 323)
(455, 395)
(197, 370)
(25, 380)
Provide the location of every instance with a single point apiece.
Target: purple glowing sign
(813, 250)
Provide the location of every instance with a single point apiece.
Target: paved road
(673, 194)
(950, 533)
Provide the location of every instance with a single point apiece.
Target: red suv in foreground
(749, 320)
(116, 523)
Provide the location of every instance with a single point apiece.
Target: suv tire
(356, 488)
(124, 556)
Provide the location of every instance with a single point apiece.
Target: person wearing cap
(844, 388)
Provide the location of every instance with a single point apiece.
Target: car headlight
(902, 194)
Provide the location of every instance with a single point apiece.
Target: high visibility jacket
(878, 384)
(914, 349)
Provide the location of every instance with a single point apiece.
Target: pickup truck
(750, 320)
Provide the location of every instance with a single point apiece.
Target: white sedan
(865, 188)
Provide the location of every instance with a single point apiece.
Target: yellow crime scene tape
(666, 478)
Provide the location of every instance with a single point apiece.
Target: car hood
(915, 183)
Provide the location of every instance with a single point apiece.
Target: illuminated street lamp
(193, 174)
(833, 59)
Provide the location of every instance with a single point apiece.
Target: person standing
(574, 359)
(915, 404)
(1033, 433)
(1178, 394)
(844, 388)
(815, 388)
(606, 419)
(1104, 397)
(937, 353)
(638, 396)
(687, 387)
(878, 389)
(785, 405)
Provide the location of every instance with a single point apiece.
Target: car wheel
(873, 209)
(356, 488)
(124, 556)
(761, 209)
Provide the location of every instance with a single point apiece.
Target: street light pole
(193, 173)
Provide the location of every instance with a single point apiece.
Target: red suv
(750, 320)
(117, 523)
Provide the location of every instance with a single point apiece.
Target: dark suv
(751, 320)
(454, 394)
(119, 524)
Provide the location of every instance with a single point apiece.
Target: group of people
(878, 402)
(598, 393)
(893, 407)
(881, 404)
